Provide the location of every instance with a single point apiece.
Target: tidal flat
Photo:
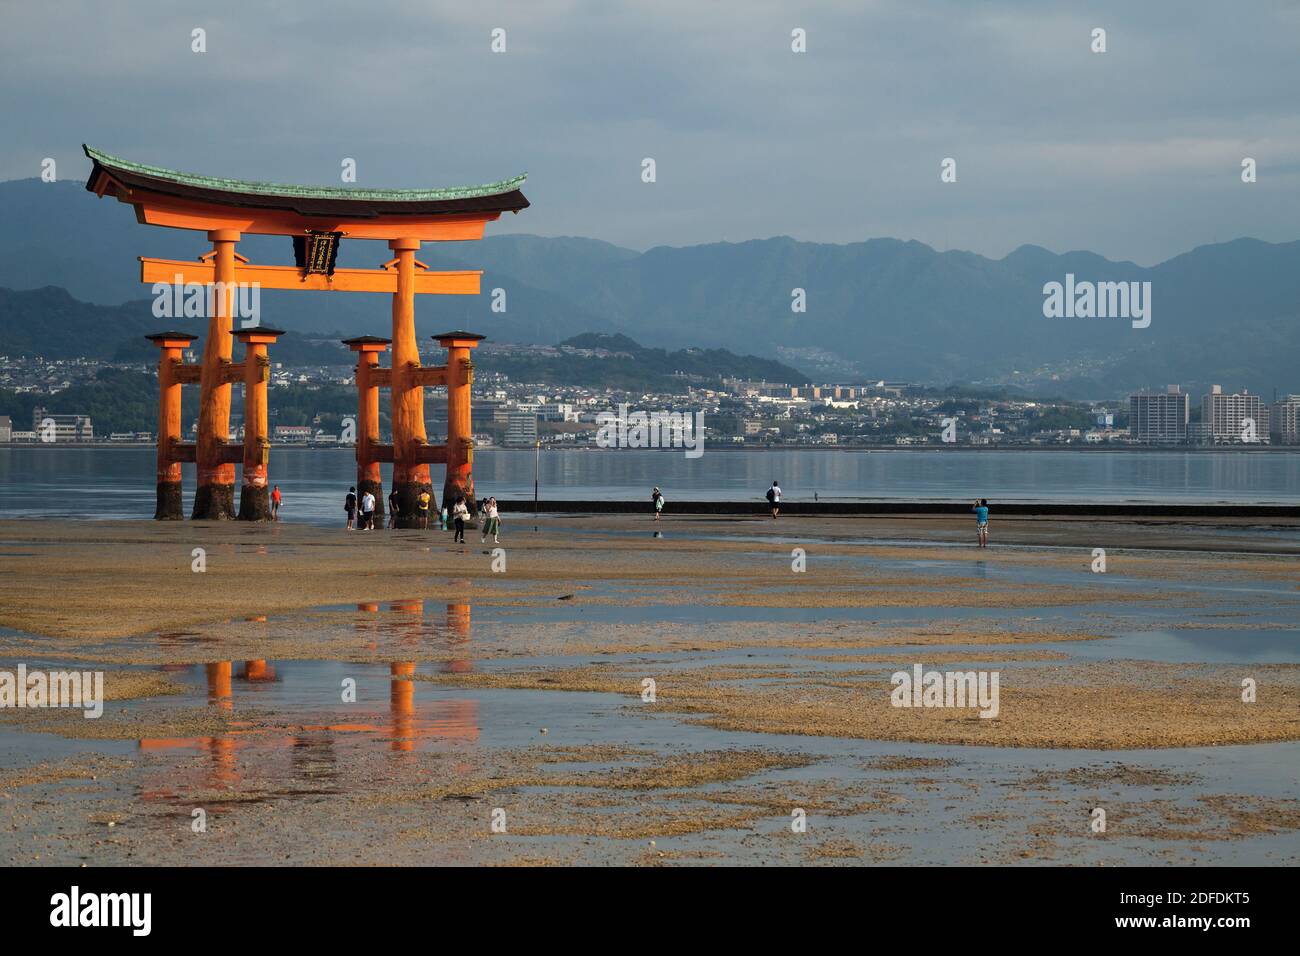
(696, 691)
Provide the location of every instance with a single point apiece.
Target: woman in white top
(459, 513)
(492, 526)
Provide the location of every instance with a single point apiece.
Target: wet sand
(771, 692)
(107, 579)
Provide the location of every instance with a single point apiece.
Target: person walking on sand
(981, 509)
(492, 522)
(392, 508)
(774, 498)
(459, 512)
(422, 507)
(350, 506)
(276, 498)
(657, 499)
(367, 512)
(443, 516)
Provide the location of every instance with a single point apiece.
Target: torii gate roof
(166, 197)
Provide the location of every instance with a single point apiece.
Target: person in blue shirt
(981, 510)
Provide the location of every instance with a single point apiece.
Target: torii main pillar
(215, 498)
(410, 441)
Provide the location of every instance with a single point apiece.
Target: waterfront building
(521, 429)
(1284, 421)
(1236, 418)
(61, 428)
(1159, 417)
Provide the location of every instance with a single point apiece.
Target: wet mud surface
(609, 696)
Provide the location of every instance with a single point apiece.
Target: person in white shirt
(459, 512)
(492, 522)
(368, 512)
(774, 498)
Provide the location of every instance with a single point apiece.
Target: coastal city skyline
(753, 413)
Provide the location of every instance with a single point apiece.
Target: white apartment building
(1234, 419)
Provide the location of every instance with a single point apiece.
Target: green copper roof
(307, 192)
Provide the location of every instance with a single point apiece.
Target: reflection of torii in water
(447, 720)
(461, 715)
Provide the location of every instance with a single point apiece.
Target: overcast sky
(1134, 153)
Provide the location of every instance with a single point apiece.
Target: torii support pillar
(410, 459)
(215, 498)
(254, 498)
(370, 453)
(170, 345)
(460, 432)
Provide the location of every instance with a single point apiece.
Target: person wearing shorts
(350, 506)
(774, 498)
(981, 509)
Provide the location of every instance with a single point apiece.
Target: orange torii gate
(317, 218)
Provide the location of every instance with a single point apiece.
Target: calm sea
(119, 482)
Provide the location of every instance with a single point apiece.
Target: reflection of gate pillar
(170, 450)
(370, 452)
(460, 431)
(458, 636)
(254, 498)
(402, 704)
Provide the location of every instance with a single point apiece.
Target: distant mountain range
(884, 308)
(50, 323)
(602, 360)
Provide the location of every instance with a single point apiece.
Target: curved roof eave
(251, 192)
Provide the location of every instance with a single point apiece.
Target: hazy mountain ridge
(889, 308)
(117, 333)
(50, 323)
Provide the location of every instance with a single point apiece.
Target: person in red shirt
(275, 503)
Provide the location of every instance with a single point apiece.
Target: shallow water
(119, 482)
(944, 810)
